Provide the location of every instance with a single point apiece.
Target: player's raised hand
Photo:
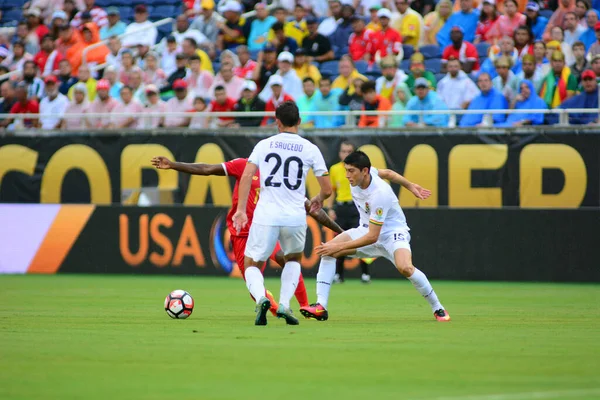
(161, 162)
(316, 204)
(240, 219)
(420, 192)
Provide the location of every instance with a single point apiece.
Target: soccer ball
(179, 304)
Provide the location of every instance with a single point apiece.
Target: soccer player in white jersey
(382, 232)
(283, 161)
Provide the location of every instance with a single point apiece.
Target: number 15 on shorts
(400, 237)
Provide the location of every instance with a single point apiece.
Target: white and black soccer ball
(179, 304)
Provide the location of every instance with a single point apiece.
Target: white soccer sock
(289, 282)
(255, 282)
(325, 279)
(421, 283)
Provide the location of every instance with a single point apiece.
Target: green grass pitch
(108, 337)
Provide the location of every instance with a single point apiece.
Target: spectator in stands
(387, 41)
(401, 96)
(526, 100)
(488, 17)
(34, 25)
(508, 22)
(180, 73)
(234, 30)
(581, 9)
(249, 102)
(467, 18)
(374, 24)
(128, 105)
(59, 18)
(588, 37)
(127, 65)
(326, 99)
(348, 74)
(339, 38)
(530, 72)
(141, 31)
(48, 58)
(222, 103)
(79, 105)
(167, 59)
(28, 38)
(208, 21)
(461, 50)
(115, 26)
(266, 65)
(24, 105)
(572, 29)
(435, 20)
(507, 49)
(303, 67)
(423, 7)
(456, 89)
(153, 105)
(408, 23)
(136, 83)
(183, 30)
(226, 79)
(391, 76)
(259, 28)
(297, 29)
(587, 99)
(291, 82)
(558, 17)
(581, 63)
(190, 47)
(179, 104)
(198, 121)
(113, 58)
(199, 81)
(488, 99)
(152, 73)
(17, 59)
(86, 17)
(506, 82)
(558, 43)
(53, 106)
(534, 21)
(70, 44)
(280, 14)
(542, 64)
(71, 9)
(276, 97)
(84, 76)
(523, 41)
(7, 93)
(425, 100)
(246, 68)
(65, 79)
(559, 84)
(97, 14)
(317, 47)
(373, 102)
(110, 74)
(281, 41)
(595, 48)
(328, 26)
(305, 102)
(97, 55)
(596, 66)
(417, 70)
(35, 86)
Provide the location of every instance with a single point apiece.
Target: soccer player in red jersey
(235, 168)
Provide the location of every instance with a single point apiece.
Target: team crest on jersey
(379, 211)
(255, 178)
(367, 207)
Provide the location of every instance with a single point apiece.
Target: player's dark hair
(368, 87)
(288, 114)
(358, 159)
(346, 142)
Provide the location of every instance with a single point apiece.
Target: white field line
(559, 394)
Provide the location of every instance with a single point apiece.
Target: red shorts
(239, 246)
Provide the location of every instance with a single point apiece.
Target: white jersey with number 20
(283, 162)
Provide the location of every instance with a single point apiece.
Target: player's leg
(403, 262)
(300, 292)
(364, 266)
(261, 242)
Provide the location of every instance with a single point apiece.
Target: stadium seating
(430, 51)
(160, 12)
(408, 50)
(482, 49)
(361, 66)
(439, 76)
(433, 64)
(164, 31)
(12, 17)
(329, 68)
(405, 65)
(546, 13)
(126, 13)
(7, 4)
(103, 3)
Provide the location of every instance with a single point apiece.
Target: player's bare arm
(417, 190)
(240, 219)
(316, 203)
(161, 162)
(322, 218)
(343, 246)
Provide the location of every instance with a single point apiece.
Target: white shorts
(263, 238)
(385, 246)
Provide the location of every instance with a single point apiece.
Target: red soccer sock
(300, 293)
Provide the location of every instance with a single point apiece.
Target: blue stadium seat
(361, 66)
(340, 51)
(329, 68)
(120, 3)
(546, 13)
(374, 69)
(216, 66)
(13, 3)
(160, 12)
(482, 49)
(136, 2)
(10, 16)
(408, 50)
(8, 24)
(165, 30)
(103, 3)
(439, 76)
(168, 2)
(430, 51)
(433, 64)
(126, 13)
(373, 75)
(405, 65)
(254, 55)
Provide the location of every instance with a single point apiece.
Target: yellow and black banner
(463, 171)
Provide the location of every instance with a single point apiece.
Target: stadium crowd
(327, 55)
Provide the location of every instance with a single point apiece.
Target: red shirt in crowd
(235, 168)
(270, 107)
(245, 72)
(389, 42)
(42, 57)
(363, 43)
(466, 52)
(30, 107)
(229, 105)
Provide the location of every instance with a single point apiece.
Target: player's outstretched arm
(161, 162)
(417, 190)
(240, 219)
(332, 248)
(323, 218)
